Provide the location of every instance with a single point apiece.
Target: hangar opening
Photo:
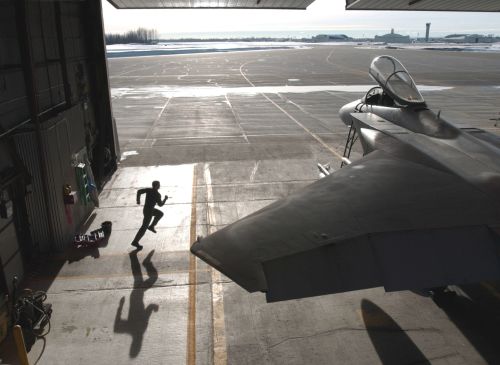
(58, 149)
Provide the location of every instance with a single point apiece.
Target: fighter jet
(420, 209)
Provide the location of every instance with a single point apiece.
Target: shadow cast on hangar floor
(138, 315)
(391, 342)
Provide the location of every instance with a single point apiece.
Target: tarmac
(222, 151)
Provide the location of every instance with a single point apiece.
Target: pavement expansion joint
(134, 207)
(122, 275)
(144, 288)
(354, 329)
(431, 360)
(244, 201)
(63, 257)
(256, 183)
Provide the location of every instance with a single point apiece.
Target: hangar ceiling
(425, 5)
(207, 4)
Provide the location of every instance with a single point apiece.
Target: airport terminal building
(392, 38)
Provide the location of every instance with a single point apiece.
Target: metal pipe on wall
(8, 131)
(103, 109)
(62, 54)
(31, 88)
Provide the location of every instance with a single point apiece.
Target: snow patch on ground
(200, 92)
(172, 48)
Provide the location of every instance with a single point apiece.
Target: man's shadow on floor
(138, 314)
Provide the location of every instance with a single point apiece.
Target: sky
(322, 16)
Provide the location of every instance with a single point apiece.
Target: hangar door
(14, 227)
(11, 261)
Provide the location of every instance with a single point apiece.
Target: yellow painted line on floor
(218, 321)
(191, 329)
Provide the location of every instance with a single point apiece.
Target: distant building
(427, 30)
(331, 38)
(392, 38)
(469, 38)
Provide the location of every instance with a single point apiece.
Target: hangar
(57, 136)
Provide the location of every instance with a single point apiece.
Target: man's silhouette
(153, 197)
(138, 314)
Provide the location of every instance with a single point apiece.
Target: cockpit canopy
(395, 80)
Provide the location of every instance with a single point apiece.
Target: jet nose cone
(346, 110)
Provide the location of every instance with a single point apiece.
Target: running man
(153, 197)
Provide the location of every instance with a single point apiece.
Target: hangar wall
(63, 147)
(55, 113)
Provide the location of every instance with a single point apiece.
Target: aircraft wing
(381, 221)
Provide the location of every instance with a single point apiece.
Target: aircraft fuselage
(425, 137)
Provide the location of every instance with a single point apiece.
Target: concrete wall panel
(13, 112)
(12, 85)
(7, 18)
(10, 51)
(13, 104)
(56, 83)
(43, 88)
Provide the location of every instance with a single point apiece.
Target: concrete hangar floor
(227, 134)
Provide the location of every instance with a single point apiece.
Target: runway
(227, 134)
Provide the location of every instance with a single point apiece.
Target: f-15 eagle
(420, 209)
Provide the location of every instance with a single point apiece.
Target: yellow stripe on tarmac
(218, 322)
(191, 329)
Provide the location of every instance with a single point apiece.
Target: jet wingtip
(195, 245)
